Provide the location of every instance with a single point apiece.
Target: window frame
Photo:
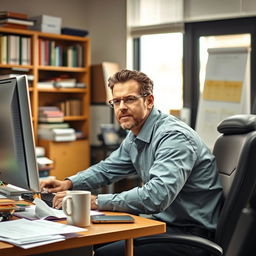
(191, 64)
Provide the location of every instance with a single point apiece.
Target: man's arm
(168, 174)
(115, 167)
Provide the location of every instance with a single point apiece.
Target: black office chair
(235, 152)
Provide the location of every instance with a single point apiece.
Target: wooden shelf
(63, 90)
(61, 37)
(75, 118)
(45, 97)
(20, 67)
(62, 69)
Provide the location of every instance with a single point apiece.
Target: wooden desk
(96, 234)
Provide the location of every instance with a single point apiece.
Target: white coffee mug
(77, 205)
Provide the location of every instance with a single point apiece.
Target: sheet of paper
(42, 211)
(31, 245)
(25, 229)
(36, 242)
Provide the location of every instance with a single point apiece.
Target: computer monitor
(18, 165)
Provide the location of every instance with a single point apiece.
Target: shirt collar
(147, 128)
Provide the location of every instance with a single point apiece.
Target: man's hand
(53, 186)
(57, 200)
(93, 202)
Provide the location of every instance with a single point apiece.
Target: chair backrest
(235, 152)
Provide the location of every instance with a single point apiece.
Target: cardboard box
(47, 24)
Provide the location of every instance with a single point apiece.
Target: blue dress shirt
(179, 174)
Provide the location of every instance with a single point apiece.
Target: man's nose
(122, 104)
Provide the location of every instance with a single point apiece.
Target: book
(3, 54)
(45, 84)
(65, 82)
(15, 26)
(7, 205)
(5, 14)
(51, 119)
(49, 113)
(75, 107)
(25, 58)
(44, 162)
(65, 134)
(4, 201)
(53, 108)
(17, 21)
(53, 125)
(12, 49)
(74, 31)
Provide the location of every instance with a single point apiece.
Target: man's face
(131, 115)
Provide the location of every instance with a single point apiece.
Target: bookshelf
(68, 157)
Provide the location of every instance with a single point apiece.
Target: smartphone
(112, 219)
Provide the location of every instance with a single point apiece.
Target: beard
(131, 124)
(128, 125)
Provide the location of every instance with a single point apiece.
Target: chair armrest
(191, 240)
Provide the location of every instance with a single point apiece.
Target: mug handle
(64, 205)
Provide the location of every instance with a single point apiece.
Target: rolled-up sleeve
(167, 175)
(117, 166)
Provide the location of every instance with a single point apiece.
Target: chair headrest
(237, 124)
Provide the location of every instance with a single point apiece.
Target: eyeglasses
(128, 100)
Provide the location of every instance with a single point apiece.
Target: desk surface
(97, 233)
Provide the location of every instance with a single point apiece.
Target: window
(161, 58)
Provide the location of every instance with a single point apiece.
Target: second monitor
(18, 165)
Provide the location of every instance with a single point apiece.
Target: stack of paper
(42, 211)
(55, 134)
(27, 234)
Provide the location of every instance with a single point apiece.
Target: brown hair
(146, 84)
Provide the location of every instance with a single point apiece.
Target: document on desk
(26, 234)
(42, 211)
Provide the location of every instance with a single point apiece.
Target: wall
(105, 20)
(107, 23)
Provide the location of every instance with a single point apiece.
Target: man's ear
(150, 101)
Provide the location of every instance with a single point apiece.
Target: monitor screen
(18, 164)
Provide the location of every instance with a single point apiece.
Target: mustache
(123, 115)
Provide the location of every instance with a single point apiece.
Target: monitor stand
(12, 191)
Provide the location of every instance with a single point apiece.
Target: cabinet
(72, 156)
(68, 157)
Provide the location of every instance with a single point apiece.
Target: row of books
(55, 114)
(60, 83)
(51, 54)
(71, 107)
(15, 20)
(15, 49)
(50, 114)
(56, 132)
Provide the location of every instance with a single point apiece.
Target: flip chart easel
(226, 90)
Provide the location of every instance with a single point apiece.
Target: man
(179, 174)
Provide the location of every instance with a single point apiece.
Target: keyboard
(46, 197)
